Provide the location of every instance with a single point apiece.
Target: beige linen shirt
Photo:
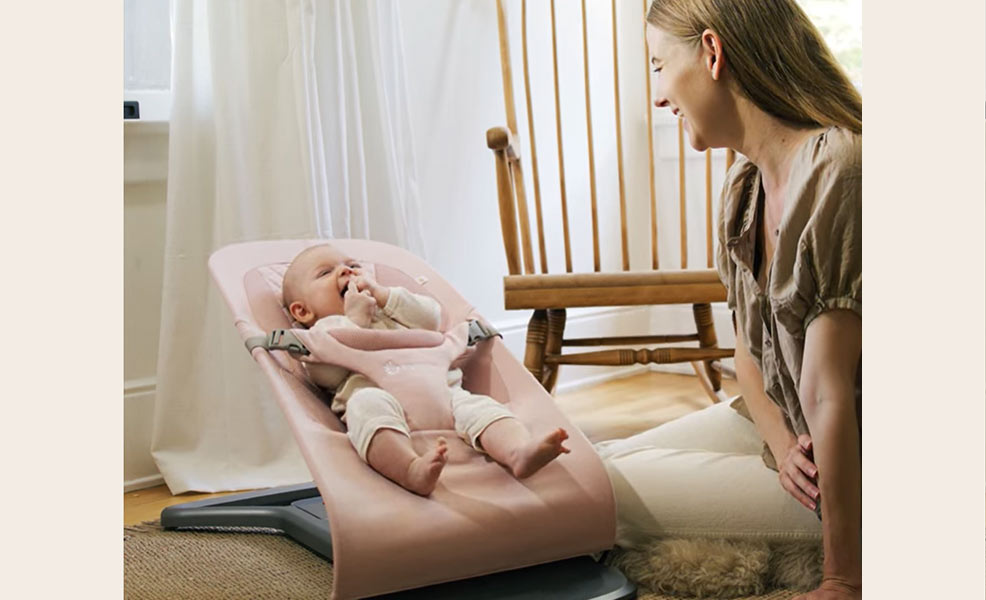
(816, 266)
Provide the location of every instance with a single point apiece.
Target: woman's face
(685, 84)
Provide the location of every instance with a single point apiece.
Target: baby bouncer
(482, 533)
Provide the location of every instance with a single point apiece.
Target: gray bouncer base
(297, 510)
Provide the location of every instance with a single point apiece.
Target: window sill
(140, 127)
(154, 105)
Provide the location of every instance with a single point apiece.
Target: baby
(325, 289)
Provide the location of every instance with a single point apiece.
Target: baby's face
(323, 277)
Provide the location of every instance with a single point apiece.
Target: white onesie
(366, 408)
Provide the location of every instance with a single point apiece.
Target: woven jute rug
(260, 564)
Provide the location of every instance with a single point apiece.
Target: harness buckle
(278, 339)
(479, 331)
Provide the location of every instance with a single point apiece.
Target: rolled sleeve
(831, 249)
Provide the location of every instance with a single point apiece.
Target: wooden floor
(614, 409)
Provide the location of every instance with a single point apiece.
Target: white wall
(145, 172)
(455, 95)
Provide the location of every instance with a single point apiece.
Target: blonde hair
(776, 55)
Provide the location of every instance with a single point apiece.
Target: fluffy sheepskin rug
(721, 568)
(795, 565)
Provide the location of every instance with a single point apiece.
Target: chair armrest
(500, 138)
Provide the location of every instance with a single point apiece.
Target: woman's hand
(359, 306)
(366, 283)
(833, 589)
(798, 473)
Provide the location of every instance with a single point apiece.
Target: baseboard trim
(139, 469)
(507, 326)
(142, 483)
(584, 382)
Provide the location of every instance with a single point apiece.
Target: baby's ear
(299, 312)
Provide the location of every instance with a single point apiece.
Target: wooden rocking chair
(549, 295)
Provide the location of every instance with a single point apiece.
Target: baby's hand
(359, 306)
(366, 283)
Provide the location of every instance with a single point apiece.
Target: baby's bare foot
(422, 473)
(529, 459)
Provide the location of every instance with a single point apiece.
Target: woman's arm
(833, 343)
(794, 468)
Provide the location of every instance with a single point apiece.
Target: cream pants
(701, 476)
(371, 409)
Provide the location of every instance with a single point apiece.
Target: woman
(755, 76)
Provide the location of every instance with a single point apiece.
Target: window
(841, 24)
(147, 56)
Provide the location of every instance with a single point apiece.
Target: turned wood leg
(537, 334)
(556, 330)
(707, 339)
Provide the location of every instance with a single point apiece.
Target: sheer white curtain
(288, 120)
(359, 63)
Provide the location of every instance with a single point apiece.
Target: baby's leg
(392, 455)
(379, 432)
(509, 443)
(489, 426)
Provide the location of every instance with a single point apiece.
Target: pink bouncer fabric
(480, 519)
